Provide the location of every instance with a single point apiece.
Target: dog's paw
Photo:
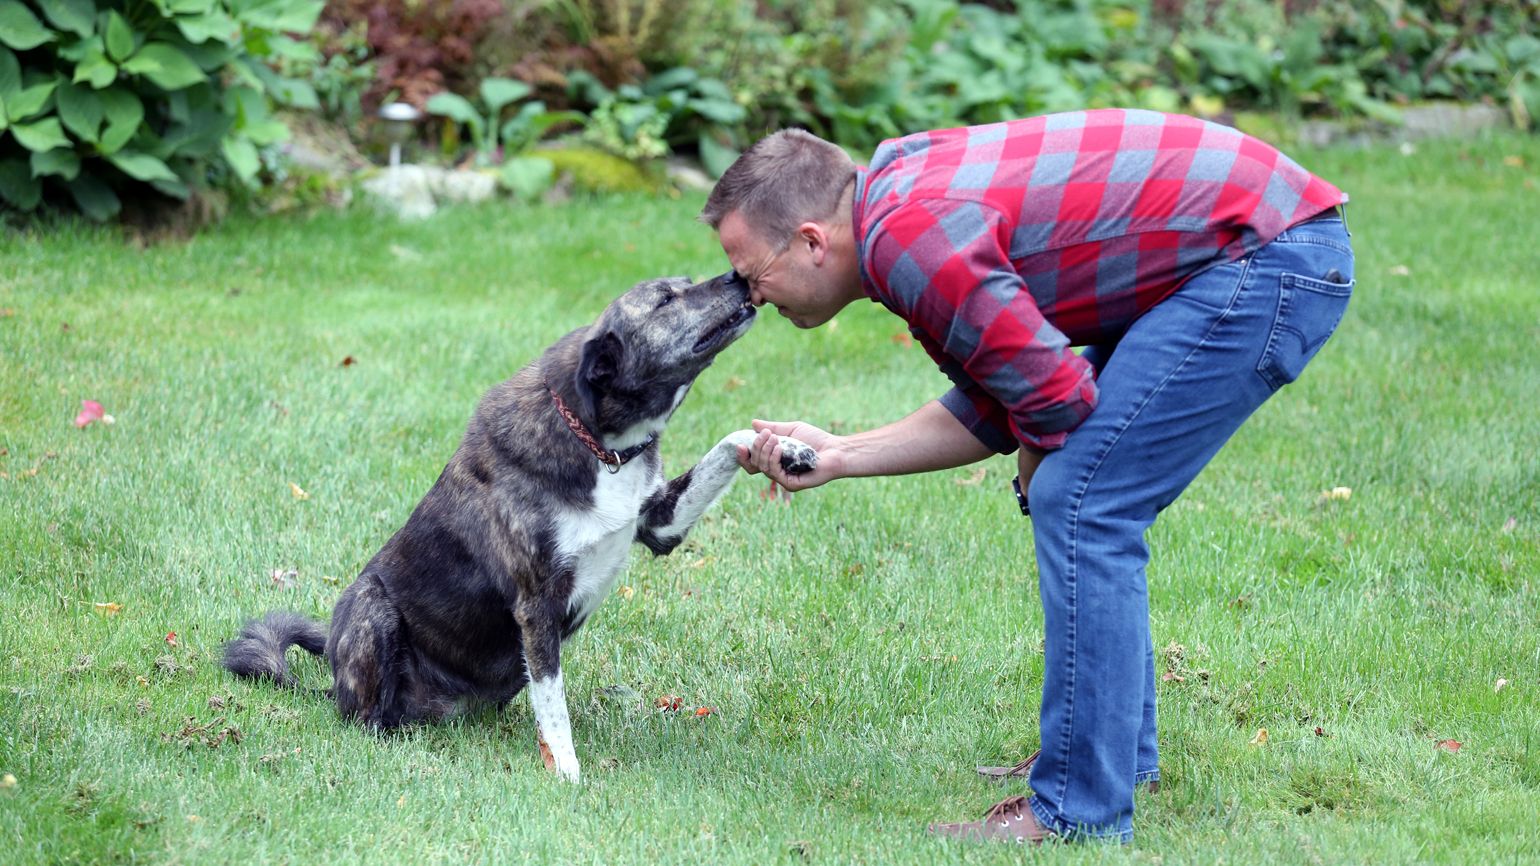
(797, 457)
(565, 766)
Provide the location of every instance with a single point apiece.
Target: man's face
(788, 280)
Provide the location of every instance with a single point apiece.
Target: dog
(527, 528)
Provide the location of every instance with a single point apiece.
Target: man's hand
(764, 455)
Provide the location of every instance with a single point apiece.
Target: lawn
(864, 647)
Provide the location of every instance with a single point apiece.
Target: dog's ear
(597, 369)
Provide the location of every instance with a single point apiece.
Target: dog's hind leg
(670, 513)
(540, 623)
(368, 656)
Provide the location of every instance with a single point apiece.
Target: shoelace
(1013, 805)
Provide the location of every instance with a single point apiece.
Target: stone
(406, 191)
(468, 186)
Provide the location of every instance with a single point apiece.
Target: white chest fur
(596, 541)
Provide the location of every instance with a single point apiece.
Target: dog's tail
(259, 651)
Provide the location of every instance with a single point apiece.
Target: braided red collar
(612, 459)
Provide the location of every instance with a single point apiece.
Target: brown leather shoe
(1010, 820)
(1024, 769)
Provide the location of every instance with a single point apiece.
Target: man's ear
(815, 236)
(597, 369)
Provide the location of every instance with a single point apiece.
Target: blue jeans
(1174, 388)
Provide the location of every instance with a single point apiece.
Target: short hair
(784, 180)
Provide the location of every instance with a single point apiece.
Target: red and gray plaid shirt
(1004, 245)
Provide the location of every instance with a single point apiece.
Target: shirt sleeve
(944, 265)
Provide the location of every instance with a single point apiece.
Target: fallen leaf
(171, 638)
(297, 491)
(284, 578)
(6, 312)
(971, 480)
(107, 608)
(90, 410)
(193, 819)
(627, 592)
(347, 361)
(734, 383)
(1169, 677)
(1513, 161)
(668, 702)
(326, 578)
(1400, 271)
(903, 338)
(1449, 745)
(1319, 732)
(1261, 738)
(7, 781)
(1337, 494)
(142, 681)
(1501, 684)
(704, 711)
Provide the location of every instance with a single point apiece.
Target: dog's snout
(733, 281)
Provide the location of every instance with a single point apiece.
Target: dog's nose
(734, 281)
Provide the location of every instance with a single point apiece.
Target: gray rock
(469, 186)
(406, 191)
(687, 177)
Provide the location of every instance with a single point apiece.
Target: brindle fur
(470, 600)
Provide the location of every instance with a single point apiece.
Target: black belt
(1334, 212)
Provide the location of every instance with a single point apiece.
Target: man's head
(782, 214)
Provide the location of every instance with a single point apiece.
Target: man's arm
(930, 438)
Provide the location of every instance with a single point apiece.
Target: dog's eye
(668, 298)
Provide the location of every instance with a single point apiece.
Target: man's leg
(1181, 381)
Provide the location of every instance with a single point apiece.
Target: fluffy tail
(259, 651)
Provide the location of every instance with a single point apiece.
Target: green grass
(865, 646)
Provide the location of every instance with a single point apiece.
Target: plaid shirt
(1004, 245)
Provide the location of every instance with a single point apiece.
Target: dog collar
(611, 458)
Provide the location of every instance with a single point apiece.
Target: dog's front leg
(669, 513)
(540, 624)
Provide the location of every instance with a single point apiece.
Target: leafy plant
(496, 141)
(677, 106)
(419, 47)
(97, 102)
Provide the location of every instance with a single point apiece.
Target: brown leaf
(903, 338)
(107, 608)
(348, 361)
(1449, 745)
(1513, 161)
(297, 492)
(670, 703)
(545, 754)
(171, 638)
(1261, 738)
(705, 711)
(6, 312)
(734, 383)
(972, 480)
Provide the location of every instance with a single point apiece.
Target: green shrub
(599, 172)
(102, 100)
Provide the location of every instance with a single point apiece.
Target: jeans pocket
(1308, 312)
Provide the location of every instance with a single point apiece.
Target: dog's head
(640, 357)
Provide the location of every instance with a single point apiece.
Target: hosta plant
(101, 100)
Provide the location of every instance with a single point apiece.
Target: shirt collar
(858, 229)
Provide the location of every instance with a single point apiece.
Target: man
(1200, 267)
